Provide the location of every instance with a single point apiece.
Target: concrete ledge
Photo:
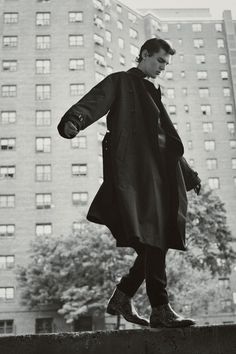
(190, 340)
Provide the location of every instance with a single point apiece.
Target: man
(143, 197)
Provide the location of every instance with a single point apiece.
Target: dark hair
(154, 45)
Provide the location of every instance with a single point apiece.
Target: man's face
(156, 63)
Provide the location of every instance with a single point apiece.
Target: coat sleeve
(191, 178)
(92, 106)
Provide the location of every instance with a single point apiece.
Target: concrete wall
(191, 340)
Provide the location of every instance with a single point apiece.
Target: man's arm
(94, 105)
(191, 179)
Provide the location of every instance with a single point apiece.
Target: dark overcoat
(132, 201)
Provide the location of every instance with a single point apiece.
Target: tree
(80, 270)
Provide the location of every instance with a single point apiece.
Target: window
(80, 169)
(186, 108)
(107, 17)
(43, 144)
(181, 58)
(196, 27)
(120, 25)
(222, 58)
(43, 42)
(185, 91)
(108, 36)
(188, 126)
(9, 65)
(133, 33)
(200, 59)
(220, 43)
(76, 40)
(79, 142)
(43, 92)
(119, 9)
(170, 93)
(206, 110)
(10, 17)
(190, 144)
(7, 262)
(180, 41)
(109, 53)
(164, 27)
(122, 60)
(231, 127)
(228, 109)
(77, 89)
(98, 22)
(218, 27)
(75, 16)
(202, 75)
(43, 118)
(207, 127)
(43, 18)
(134, 50)
(178, 26)
(209, 145)
(78, 226)
(43, 173)
(98, 5)
(99, 59)
(214, 182)
(7, 230)
(10, 41)
(132, 17)
(43, 66)
(43, 200)
(226, 92)
(232, 144)
(9, 91)
(172, 109)
(80, 198)
(203, 92)
(8, 117)
(211, 164)
(6, 326)
(7, 293)
(198, 43)
(233, 163)
(43, 229)
(43, 325)
(7, 201)
(8, 143)
(98, 39)
(169, 75)
(121, 43)
(224, 75)
(76, 64)
(7, 172)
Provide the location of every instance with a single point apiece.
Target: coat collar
(137, 72)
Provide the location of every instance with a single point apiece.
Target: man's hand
(197, 188)
(70, 130)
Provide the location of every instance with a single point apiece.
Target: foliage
(80, 270)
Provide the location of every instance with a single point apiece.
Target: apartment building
(51, 55)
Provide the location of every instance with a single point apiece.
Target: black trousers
(150, 265)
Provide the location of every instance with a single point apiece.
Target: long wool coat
(132, 201)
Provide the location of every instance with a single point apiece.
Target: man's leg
(155, 273)
(130, 282)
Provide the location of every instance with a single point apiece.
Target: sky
(216, 7)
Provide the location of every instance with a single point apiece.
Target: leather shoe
(120, 303)
(165, 316)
